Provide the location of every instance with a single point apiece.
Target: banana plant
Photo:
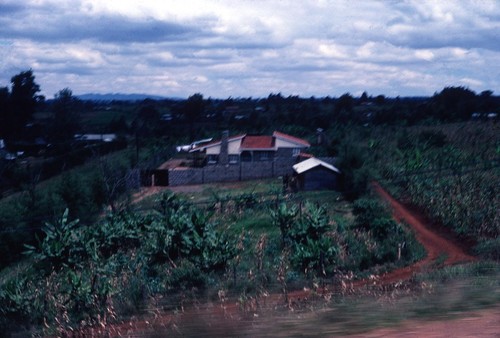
(62, 245)
(284, 217)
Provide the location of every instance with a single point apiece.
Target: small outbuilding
(314, 174)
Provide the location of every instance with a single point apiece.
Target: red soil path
(230, 314)
(434, 243)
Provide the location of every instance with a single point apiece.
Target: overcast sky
(252, 48)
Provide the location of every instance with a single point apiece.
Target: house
(315, 174)
(248, 148)
(239, 158)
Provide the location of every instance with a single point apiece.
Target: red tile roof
(305, 155)
(291, 138)
(257, 142)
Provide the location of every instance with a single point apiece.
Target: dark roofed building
(314, 174)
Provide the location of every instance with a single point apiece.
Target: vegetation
(92, 257)
(127, 262)
(445, 294)
(452, 173)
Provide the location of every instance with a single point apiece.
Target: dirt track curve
(435, 245)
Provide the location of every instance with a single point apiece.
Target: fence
(229, 173)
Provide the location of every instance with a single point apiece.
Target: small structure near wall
(314, 174)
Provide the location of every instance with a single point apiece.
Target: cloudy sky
(243, 48)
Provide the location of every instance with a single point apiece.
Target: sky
(251, 48)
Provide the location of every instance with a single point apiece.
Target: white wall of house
(280, 143)
(213, 150)
(233, 148)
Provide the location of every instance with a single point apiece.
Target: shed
(314, 174)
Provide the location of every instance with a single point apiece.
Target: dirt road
(434, 243)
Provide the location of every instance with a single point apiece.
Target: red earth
(230, 315)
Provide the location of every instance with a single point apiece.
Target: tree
(66, 118)
(487, 103)
(148, 112)
(112, 184)
(147, 119)
(454, 103)
(343, 108)
(363, 97)
(380, 100)
(192, 111)
(355, 175)
(24, 99)
(5, 111)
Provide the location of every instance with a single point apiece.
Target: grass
(443, 294)
(429, 297)
(438, 294)
(256, 222)
(98, 119)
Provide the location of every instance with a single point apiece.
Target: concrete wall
(232, 172)
(185, 176)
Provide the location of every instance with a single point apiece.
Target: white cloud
(424, 54)
(331, 50)
(251, 48)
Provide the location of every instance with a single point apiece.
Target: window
(264, 155)
(212, 159)
(234, 159)
(246, 156)
(295, 152)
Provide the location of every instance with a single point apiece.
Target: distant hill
(121, 97)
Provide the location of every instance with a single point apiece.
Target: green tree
(24, 99)
(343, 108)
(5, 112)
(193, 109)
(355, 175)
(66, 119)
(454, 103)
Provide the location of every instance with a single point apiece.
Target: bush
(366, 210)
(314, 249)
(380, 239)
(488, 248)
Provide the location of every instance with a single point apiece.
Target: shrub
(489, 248)
(62, 246)
(284, 217)
(366, 210)
(313, 246)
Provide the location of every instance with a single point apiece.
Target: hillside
(81, 251)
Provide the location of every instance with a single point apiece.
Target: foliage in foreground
(88, 275)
